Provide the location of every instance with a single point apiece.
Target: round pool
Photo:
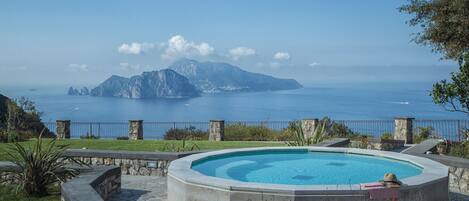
(305, 173)
(302, 167)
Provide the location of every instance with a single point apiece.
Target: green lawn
(8, 193)
(146, 145)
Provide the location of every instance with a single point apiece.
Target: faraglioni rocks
(75, 92)
(214, 77)
(155, 84)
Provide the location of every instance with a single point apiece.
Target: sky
(84, 42)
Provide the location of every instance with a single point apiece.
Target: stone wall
(459, 179)
(131, 162)
(140, 167)
(93, 184)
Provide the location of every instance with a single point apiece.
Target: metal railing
(369, 127)
(450, 129)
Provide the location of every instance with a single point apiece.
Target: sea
(341, 101)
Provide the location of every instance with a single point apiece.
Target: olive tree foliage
(21, 112)
(445, 28)
(444, 24)
(453, 95)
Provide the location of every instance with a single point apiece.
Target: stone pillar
(308, 126)
(135, 129)
(62, 129)
(217, 130)
(403, 129)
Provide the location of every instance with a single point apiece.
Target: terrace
(136, 168)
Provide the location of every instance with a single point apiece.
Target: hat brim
(391, 183)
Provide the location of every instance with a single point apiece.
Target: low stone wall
(458, 172)
(385, 145)
(458, 167)
(131, 162)
(94, 184)
(6, 176)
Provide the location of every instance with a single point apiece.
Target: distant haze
(84, 42)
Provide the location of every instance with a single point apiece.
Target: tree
(454, 95)
(445, 25)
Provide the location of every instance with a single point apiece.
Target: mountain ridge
(215, 77)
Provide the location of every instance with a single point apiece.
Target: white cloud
(78, 67)
(238, 52)
(282, 56)
(135, 48)
(178, 46)
(314, 64)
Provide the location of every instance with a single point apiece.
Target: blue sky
(84, 42)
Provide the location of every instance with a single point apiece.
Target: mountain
(213, 77)
(75, 92)
(155, 84)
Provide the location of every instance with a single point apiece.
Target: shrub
(387, 136)
(89, 137)
(336, 129)
(243, 132)
(40, 166)
(423, 133)
(10, 136)
(122, 138)
(191, 133)
(459, 150)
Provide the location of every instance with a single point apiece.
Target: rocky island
(187, 78)
(216, 77)
(155, 84)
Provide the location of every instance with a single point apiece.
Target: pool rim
(181, 169)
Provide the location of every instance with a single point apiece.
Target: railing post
(216, 130)
(136, 129)
(309, 126)
(403, 129)
(63, 129)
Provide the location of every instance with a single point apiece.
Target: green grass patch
(8, 193)
(144, 145)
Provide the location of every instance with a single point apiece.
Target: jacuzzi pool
(301, 173)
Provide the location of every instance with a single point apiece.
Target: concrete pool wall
(185, 184)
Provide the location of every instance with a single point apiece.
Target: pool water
(303, 167)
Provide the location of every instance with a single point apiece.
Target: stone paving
(141, 188)
(153, 188)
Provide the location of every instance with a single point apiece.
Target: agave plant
(40, 166)
(298, 136)
(180, 147)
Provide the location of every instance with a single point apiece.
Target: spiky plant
(181, 147)
(298, 137)
(40, 166)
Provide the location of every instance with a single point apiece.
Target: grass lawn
(146, 145)
(8, 193)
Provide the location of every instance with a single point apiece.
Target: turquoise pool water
(303, 168)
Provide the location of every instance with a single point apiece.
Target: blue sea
(338, 101)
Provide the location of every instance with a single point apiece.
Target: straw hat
(390, 181)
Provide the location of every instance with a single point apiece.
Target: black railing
(369, 127)
(449, 129)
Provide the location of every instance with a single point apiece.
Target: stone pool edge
(433, 173)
